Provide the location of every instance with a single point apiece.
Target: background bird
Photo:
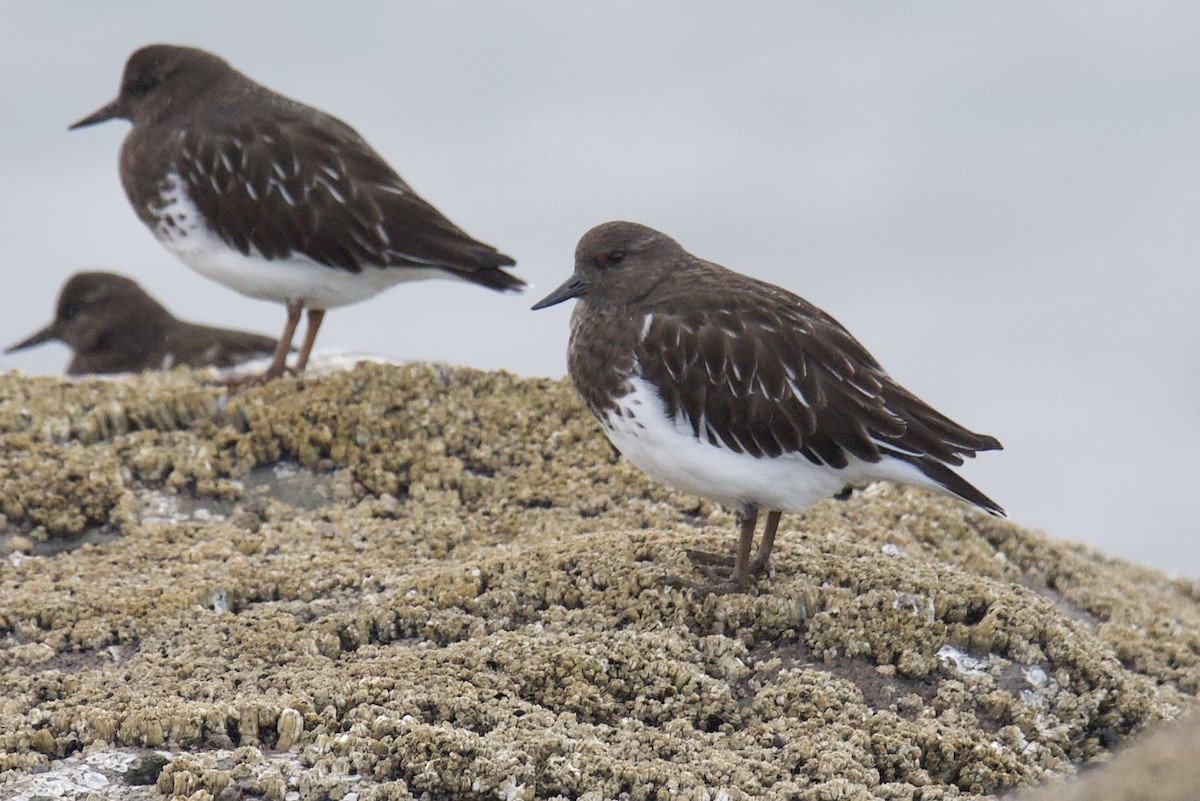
(274, 198)
(112, 326)
(737, 390)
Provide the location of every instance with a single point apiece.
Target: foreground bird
(273, 198)
(725, 386)
(112, 326)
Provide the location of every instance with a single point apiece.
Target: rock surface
(1162, 766)
(414, 581)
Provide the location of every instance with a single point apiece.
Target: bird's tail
(490, 277)
(953, 483)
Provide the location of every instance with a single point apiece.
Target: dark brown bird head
(619, 263)
(93, 304)
(161, 80)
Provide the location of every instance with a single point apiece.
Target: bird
(113, 326)
(731, 388)
(273, 198)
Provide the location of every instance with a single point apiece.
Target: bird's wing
(202, 345)
(773, 378)
(278, 185)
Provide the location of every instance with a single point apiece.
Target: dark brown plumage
(112, 326)
(746, 369)
(211, 152)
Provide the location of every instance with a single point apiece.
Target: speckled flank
(475, 608)
(294, 279)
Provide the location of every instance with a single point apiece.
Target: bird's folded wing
(279, 186)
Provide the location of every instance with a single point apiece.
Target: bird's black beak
(574, 287)
(45, 335)
(112, 111)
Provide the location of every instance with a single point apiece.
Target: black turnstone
(273, 198)
(728, 387)
(112, 326)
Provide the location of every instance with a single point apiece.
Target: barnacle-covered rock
(404, 581)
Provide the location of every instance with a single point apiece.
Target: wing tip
(954, 484)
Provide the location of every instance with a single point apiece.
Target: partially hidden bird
(112, 325)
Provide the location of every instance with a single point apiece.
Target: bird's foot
(758, 566)
(256, 379)
(722, 565)
(709, 559)
(718, 585)
(720, 569)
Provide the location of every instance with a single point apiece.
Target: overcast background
(1002, 201)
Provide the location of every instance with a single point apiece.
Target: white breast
(298, 278)
(669, 452)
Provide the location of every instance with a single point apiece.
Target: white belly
(294, 279)
(668, 452)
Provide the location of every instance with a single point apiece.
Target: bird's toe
(720, 583)
(709, 559)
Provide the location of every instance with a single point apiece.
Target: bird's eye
(71, 310)
(615, 257)
(142, 84)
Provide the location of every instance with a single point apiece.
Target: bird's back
(195, 345)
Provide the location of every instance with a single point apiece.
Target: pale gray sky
(1002, 201)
